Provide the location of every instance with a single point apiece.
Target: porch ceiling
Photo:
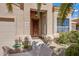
(75, 21)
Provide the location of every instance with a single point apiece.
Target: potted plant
(26, 45)
(17, 46)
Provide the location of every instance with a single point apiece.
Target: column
(49, 20)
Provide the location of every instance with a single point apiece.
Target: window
(63, 27)
(6, 19)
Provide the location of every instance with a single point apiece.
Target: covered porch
(75, 24)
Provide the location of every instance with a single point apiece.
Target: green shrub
(63, 38)
(73, 50)
(73, 36)
(69, 37)
(26, 44)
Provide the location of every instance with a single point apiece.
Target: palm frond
(64, 10)
(9, 7)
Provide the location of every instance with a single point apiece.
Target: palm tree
(38, 9)
(10, 7)
(64, 10)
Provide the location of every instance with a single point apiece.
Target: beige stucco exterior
(9, 30)
(47, 7)
(21, 24)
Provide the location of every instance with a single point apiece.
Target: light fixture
(44, 3)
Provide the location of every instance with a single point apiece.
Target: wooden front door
(35, 28)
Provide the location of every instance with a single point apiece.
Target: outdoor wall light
(44, 3)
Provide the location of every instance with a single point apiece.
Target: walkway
(39, 49)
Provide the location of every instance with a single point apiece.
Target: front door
(35, 27)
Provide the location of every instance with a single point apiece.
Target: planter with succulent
(17, 46)
(26, 45)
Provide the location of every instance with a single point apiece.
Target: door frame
(31, 23)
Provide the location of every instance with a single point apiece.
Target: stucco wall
(17, 28)
(17, 14)
(22, 20)
(55, 22)
(47, 7)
